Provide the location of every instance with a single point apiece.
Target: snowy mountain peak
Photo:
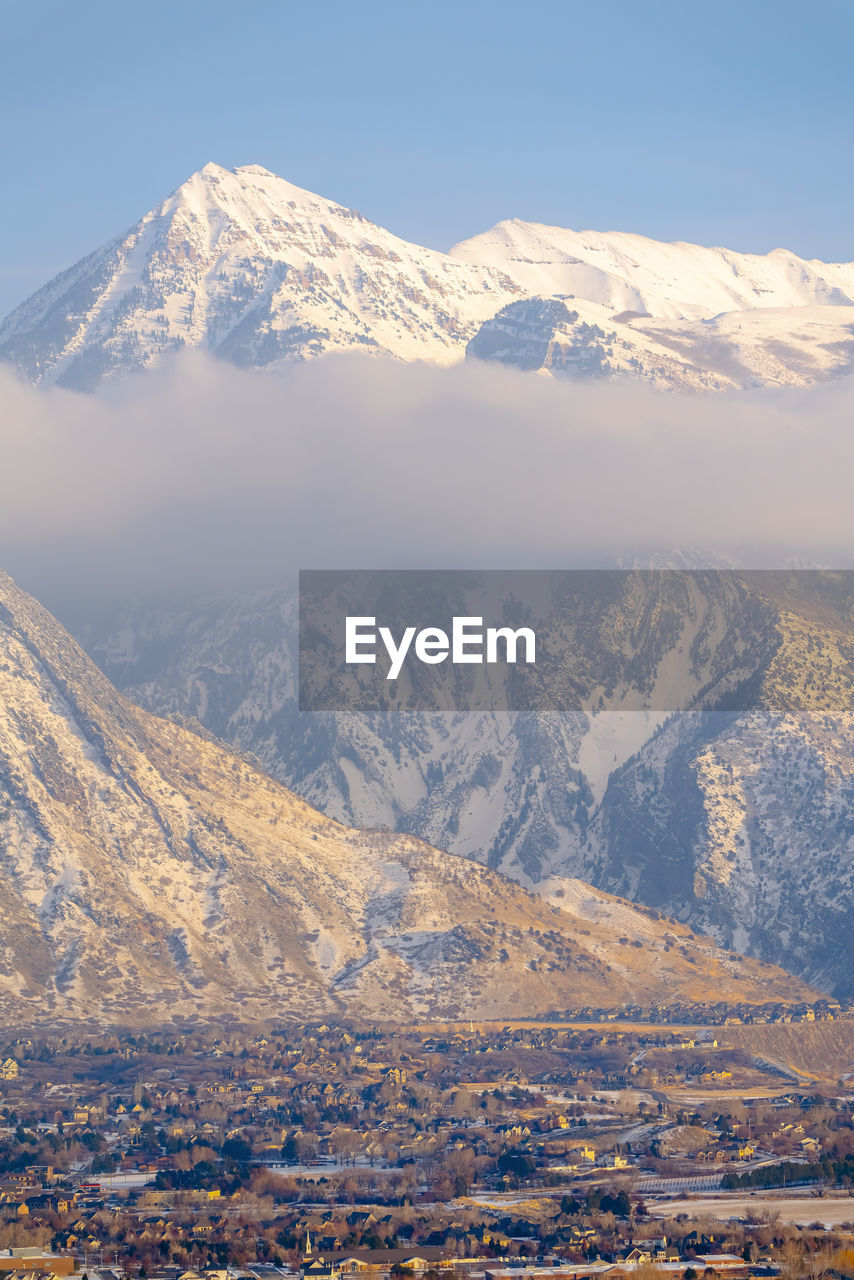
(257, 169)
(250, 182)
(244, 264)
(257, 270)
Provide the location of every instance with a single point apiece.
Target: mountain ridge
(687, 813)
(149, 873)
(262, 273)
(630, 272)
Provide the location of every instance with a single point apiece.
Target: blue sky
(718, 122)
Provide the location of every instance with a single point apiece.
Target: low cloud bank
(202, 478)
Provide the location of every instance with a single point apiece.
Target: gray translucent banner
(576, 640)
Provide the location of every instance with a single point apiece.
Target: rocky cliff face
(742, 822)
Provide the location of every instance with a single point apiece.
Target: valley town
(700, 1149)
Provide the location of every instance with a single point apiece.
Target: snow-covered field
(799, 1211)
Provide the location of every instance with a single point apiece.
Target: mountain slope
(743, 826)
(148, 874)
(260, 272)
(742, 822)
(738, 823)
(785, 347)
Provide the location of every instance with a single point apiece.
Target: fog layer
(201, 478)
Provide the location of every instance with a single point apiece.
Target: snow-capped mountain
(148, 873)
(738, 823)
(260, 272)
(256, 270)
